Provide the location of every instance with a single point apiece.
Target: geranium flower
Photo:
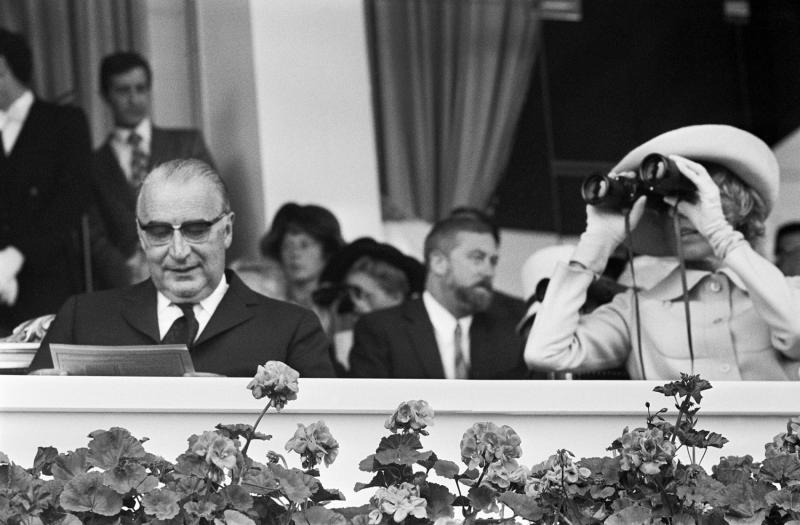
(400, 502)
(410, 415)
(486, 443)
(645, 450)
(162, 503)
(275, 380)
(215, 448)
(314, 441)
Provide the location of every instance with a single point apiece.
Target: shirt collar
(209, 304)
(671, 288)
(144, 129)
(441, 318)
(18, 110)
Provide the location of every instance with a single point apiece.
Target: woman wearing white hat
(743, 314)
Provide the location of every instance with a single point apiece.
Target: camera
(657, 176)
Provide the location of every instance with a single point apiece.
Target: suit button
(714, 286)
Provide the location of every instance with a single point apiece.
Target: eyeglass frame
(179, 227)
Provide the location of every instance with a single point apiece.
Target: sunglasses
(160, 233)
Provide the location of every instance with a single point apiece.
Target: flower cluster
(645, 450)
(411, 416)
(486, 443)
(559, 470)
(315, 443)
(399, 502)
(277, 381)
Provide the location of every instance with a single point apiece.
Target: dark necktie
(2, 147)
(139, 159)
(462, 372)
(184, 329)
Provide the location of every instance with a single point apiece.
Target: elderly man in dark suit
(44, 185)
(185, 226)
(132, 149)
(459, 328)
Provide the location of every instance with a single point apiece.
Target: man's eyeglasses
(160, 233)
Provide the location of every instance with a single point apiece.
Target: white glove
(11, 260)
(605, 230)
(706, 212)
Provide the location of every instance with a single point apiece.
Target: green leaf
(322, 495)
(43, 460)
(295, 484)
(4, 458)
(161, 503)
(746, 498)
(260, 479)
(400, 449)
(785, 498)
(319, 516)
(440, 500)
(237, 497)
(755, 519)
(130, 476)
(523, 506)
(241, 430)
(233, 517)
(733, 469)
(108, 446)
(446, 469)
(604, 470)
(482, 498)
(67, 466)
(779, 469)
(700, 438)
(633, 515)
(367, 464)
(69, 519)
(86, 492)
(191, 465)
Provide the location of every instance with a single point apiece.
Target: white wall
(314, 109)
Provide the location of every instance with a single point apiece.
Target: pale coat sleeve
(563, 339)
(775, 297)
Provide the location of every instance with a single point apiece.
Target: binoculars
(657, 176)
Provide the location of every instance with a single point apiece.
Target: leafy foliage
(114, 480)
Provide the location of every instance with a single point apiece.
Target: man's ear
(439, 263)
(229, 230)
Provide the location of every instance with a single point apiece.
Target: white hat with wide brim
(744, 154)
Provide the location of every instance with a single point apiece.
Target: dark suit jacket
(44, 189)
(399, 342)
(116, 199)
(246, 330)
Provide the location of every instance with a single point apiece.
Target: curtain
(449, 81)
(69, 39)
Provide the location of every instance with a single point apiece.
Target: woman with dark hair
(728, 314)
(363, 277)
(302, 239)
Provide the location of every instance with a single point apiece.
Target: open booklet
(97, 360)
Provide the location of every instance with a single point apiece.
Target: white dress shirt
(168, 311)
(11, 120)
(123, 149)
(444, 328)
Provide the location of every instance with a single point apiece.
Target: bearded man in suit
(45, 153)
(185, 225)
(459, 328)
(132, 149)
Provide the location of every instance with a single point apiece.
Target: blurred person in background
(787, 248)
(365, 276)
(45, 159)
(302, 239)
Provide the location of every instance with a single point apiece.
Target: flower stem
(253, 431)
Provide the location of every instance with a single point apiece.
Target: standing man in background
(45, 153)
(132, 149)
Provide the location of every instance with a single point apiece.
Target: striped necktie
(139, 159)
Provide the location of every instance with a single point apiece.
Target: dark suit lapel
(162, 147)
(110, 179)
(231, 311)
(423, 339)
(139, 309)
(27, 138)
